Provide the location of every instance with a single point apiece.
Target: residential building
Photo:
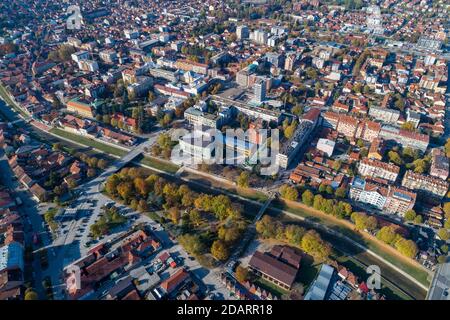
(378, 169)
(425, 184)
(439, 164)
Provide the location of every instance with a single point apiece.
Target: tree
(142, 206)
(91, 172)
(30, 294)
(341, 192)
(294, 234)
(410, 215)
(395, 158)
(443, 234)
(241, 274)
(195, 217)
(219, 250)
(192, 244)
(308, 198)
(388, 235)
(409, 126)
(418, 219)
(141, 186)
(243, 179)
(125, 190)
(174, 215)
(72, 183)
(407, 247)
(289, 193)
(267, 227)
(446, 208)
(447, 148)
(313, 244)
(229, 234)
(112, 183)
(102, 164)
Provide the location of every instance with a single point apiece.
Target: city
(231, 150)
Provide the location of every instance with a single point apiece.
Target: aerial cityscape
(253, 150)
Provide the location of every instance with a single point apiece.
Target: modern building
(260, 90)
(242, 32)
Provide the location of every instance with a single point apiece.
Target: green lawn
(89, 142)
(416, 272)
(251, 194)
(159, 164)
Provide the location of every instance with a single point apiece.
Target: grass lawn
(308, 271)
(89, 142)
(251, 194)
(159, 164)
(416, 272)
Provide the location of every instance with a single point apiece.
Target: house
(175, 281)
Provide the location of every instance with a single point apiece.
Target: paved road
(440, 286)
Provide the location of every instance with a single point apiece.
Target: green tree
(443, 234)
(407, 247)
(388, 235)
(308, 198)
(219, 250)
(243, 179)
(192, 243)
(289, 193)
(241, 274)
(313, 244)
(410, 215)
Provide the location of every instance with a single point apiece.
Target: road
(440, 286)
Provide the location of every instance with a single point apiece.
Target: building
(242, 32)
(260, 90)
(289, 149)
(326, 146)
(439, 164)
(384, 114)
(376, 150)
(378, 169)
(424, 184)
(320, 288)
(279, 266)
(197, 117)
(88, 65)
(368, 192)
(82, 107)
(197, 145)
(259, 36)
(187, 65)
(399, 200)
(405, 138)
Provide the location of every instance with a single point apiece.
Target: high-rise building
(242, 32)
(260, 90)
(259, 36)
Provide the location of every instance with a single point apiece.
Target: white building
(326, 146)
